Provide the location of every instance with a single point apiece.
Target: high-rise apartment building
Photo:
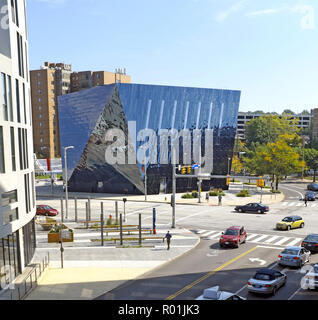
(17, 188)
(88, 79)
(47, 83)
(51, 81)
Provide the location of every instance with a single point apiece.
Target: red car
(233, 236)
(45, 210)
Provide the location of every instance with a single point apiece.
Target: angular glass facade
(156, 118)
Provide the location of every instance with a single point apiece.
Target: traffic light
(189, 169)
(228, 180)
(183, 170)
(260, 182)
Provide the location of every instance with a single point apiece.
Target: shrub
(243, 193)
(216, 192)
(195, 194)
(275, 191)
(187, 196)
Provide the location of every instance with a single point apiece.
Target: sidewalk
(44, 190)
(92, 271)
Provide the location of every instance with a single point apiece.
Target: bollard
(116, 211)
(102, 227)
(154, 221)
(75, 200)
(121, 228)
(62, 210)
(86, 215)
(140, 229)
(89, 209)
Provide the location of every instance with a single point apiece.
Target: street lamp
(66, 183)
(228, 165)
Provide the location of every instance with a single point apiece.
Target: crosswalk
(299, 204)
(253, 237)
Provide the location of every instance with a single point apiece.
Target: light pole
(228, 165)
(66, 183)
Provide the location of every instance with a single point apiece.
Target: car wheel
(259, 211)
(302, 225)
(288, 228)
(240, 210)
(274, 291)
(46, 214)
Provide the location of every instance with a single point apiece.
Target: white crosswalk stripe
(284, 203)
(299, 204)
(313, 205)
(254, 238)
(291, 204)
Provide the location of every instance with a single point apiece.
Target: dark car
(45, 210)
(312, 186)
(311, 196)
(311, 242)
(252, 207)
(233, 236)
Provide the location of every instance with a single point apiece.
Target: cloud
(223, 15)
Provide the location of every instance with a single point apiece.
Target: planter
(68, 236)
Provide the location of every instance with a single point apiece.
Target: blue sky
(267, 49)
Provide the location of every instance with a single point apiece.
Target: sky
(267, 49)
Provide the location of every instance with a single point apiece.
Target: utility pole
(173, 204)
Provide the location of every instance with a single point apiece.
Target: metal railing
(24, 287)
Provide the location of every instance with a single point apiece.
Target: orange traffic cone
(154, 231)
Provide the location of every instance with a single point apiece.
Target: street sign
(195, 166)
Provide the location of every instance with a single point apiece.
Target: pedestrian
(168, 237)
(207, 197)
(306, 201)
(220, 200)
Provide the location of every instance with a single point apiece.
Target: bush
(187, 196)
(243, 193)
(275, 191)
(250, 183)
(195, 194)
(216, 192)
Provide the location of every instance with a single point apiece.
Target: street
(208, 265)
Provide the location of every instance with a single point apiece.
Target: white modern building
(17, 189)
(244, 117)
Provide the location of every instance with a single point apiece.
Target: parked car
(290, 222)
(233, 236)
(311, 196)
(310, 280)
(312, 186)
(214, 293)
(311, 242)
(266, 281)
(294, 256)
(45, 210)
(252, 207)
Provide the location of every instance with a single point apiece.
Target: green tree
(311, 159)
(236, 164)
(268, 128)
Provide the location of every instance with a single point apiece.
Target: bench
(131, 239)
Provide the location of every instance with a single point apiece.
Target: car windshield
(47, 207)
(288, 219)
(316, 269)
(293, 252)
(313, 238)
(262, 276)
(231, 232)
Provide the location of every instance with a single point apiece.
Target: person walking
(220, 200)
(168, 236)
(306, 201)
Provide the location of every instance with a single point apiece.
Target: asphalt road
(208, 265)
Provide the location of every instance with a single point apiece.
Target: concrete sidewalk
(92, 271)
(43, 189)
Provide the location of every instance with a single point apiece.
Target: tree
(268, 128)
(311, 159)
(288, 112)
(236, 164)
(277, 159)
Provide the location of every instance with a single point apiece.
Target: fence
(27, 284)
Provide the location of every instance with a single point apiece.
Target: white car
(214, 293)
(310, 280)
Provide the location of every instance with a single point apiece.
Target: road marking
(272, 239)
(261, 262)
(209, 274)
(291, 204)
(313, 205)
(207, 233)
(294, 242)
(215, 236)
(201, 231)
(192, 215)
(268, 247)
(260, 238)
(284, 203)
(292, 296)
(250, 236)
(282, 241)
(299, 204)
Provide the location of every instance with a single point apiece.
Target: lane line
(189, 286)
(292, 296)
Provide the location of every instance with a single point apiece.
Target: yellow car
(290, 222)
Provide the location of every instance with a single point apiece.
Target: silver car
(310, 280)
(294, 257)
(214, 293)
(266, 281)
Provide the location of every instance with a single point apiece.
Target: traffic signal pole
(173, 200)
